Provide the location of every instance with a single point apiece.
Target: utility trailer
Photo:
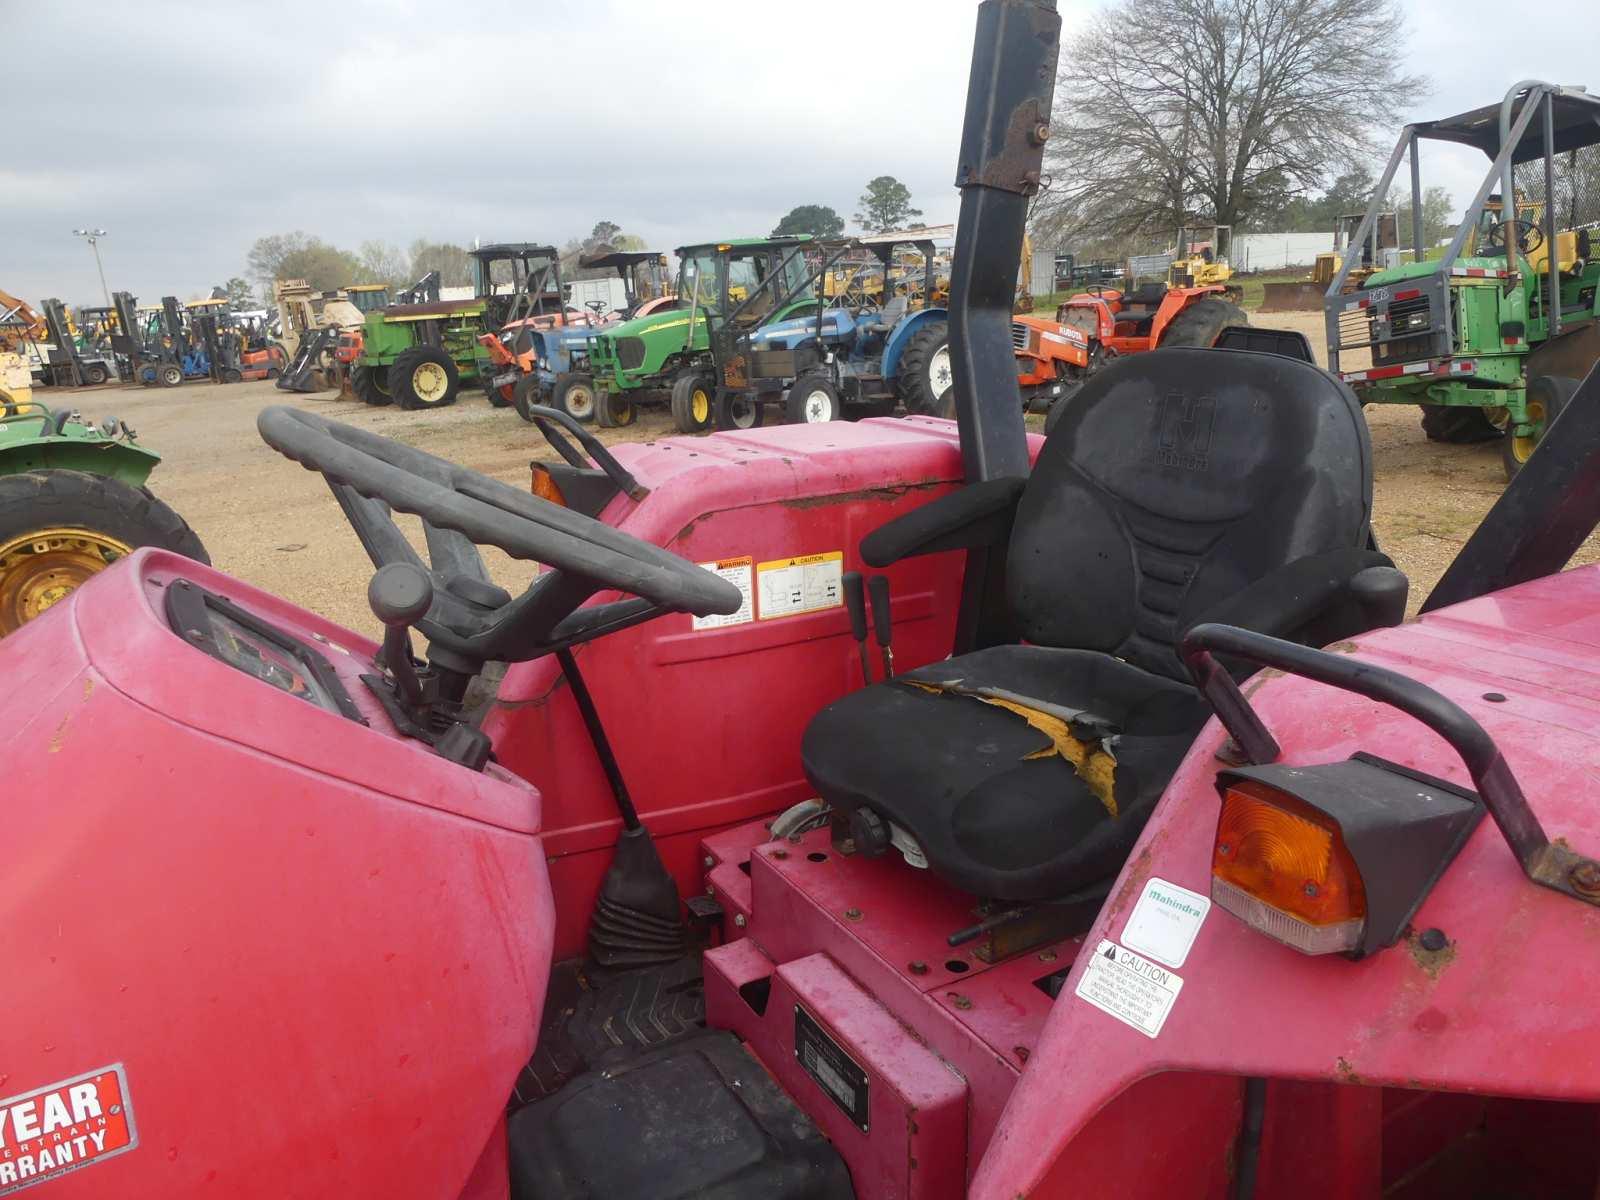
(1492, 337)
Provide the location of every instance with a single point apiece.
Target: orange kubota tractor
(1055, 356)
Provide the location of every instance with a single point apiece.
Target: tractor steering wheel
(470, 617)
(1529, 237)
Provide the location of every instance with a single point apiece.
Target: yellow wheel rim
(700, 406)
(43, 567)
(430, 382)
(1522, 444)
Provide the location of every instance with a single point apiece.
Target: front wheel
(692, 403)
(57, 528)
(927, 376)
(232, 375)
(525, 395)
(812, 400)
(95, 374)
(424, 377)
(1548, 395)
(613, 410)
(371, 385)
(574, 395)
(735, 410)
(1458, 424)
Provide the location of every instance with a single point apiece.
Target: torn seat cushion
(956, 771)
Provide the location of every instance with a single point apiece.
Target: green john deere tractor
(667, 354)
(72, 501)
(1492, 337)
(418, 354)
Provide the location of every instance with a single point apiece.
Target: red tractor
(1022, 895)
(1055, 357)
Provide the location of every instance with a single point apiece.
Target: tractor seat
(889, 316)
(1180, 487)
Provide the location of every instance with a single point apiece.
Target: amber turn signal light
(545, 486)
(1287, 868)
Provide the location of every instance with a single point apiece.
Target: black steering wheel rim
(1529, 236)
(488, 512)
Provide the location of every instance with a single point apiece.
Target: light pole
(93, 236)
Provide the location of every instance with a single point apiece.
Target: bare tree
(1168, 110)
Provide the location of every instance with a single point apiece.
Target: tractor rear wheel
(424, 377)
(371, 385)
(1200, 323)
(1457, 424)
(57, 528)
(574, 395)
(613, 410)
(812, 400)
(927, 379)
(693, 398)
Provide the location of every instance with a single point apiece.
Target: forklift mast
(128, 340)
(172, 326)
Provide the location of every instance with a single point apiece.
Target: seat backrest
(1147, 295)
(1175, 479)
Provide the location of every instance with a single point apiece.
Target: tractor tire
(57, 528)
(613, 410)
(371, 385)
(1457, 424)
(927, 382)
(525, 395)
(1199, 324)
(169, 375)
(693, 403)
(95, 374)
(424, 377)
(503, 396)
(575, 395)
(1548, 395)
(812, 400)
(735, 410)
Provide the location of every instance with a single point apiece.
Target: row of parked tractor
(812, 329)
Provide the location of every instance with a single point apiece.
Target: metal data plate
(836, 1073)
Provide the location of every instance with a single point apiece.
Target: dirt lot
(275, 525)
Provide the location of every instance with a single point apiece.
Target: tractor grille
(630, 353)
(1019, 335)
(1407, 335)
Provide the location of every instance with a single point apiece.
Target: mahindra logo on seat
(1185, 434)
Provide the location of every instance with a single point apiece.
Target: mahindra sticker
(60, 1127)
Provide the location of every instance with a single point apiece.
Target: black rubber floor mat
(593, 1020)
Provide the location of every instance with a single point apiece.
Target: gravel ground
(267, 521)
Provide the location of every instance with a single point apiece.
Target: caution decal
(61, 1127)
(787, 587)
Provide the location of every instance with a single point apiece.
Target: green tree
(297, 256)
(885, 205)
(1438, 214)
(451, 261)
(238, 294)
(816, 219)
(604, 233)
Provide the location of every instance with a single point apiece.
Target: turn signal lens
(544, 485)
(1283, 868)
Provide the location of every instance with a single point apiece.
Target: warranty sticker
(61, 1127)
(1131, 988)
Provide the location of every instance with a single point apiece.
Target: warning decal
(1132, 989)
(63, 1126)
(788, 586)
(737, 572)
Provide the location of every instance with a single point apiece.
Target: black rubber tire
(1200, 323)
(408, 362)
(1552, 394)
(735, 410)
(574, 395)
(918, 390)
(686, 389)
(371, 385)
(613, 410)
(95, 373)
(498, 397)
(525, 394)
(34, 500)
(1458, 424)
(232, 375)
(1059, 408)
(170, 375)
(811, 400)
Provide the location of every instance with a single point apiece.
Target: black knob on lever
(400, 595)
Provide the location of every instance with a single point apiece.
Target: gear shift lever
(400, 594)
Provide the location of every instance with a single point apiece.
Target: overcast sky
(189, 129)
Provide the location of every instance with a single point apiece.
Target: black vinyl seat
(1182, 486)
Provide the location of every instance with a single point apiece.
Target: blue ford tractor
(865, 351)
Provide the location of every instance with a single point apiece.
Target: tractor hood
(837, 323)
(1427, 269)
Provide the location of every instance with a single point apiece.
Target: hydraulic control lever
(400, 595)
(878, 587)
(855, 603)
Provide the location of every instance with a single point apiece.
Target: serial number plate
(835, 1071)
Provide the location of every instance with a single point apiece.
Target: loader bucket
(1302, 296)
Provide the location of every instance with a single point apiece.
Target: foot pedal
(699, 1118)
